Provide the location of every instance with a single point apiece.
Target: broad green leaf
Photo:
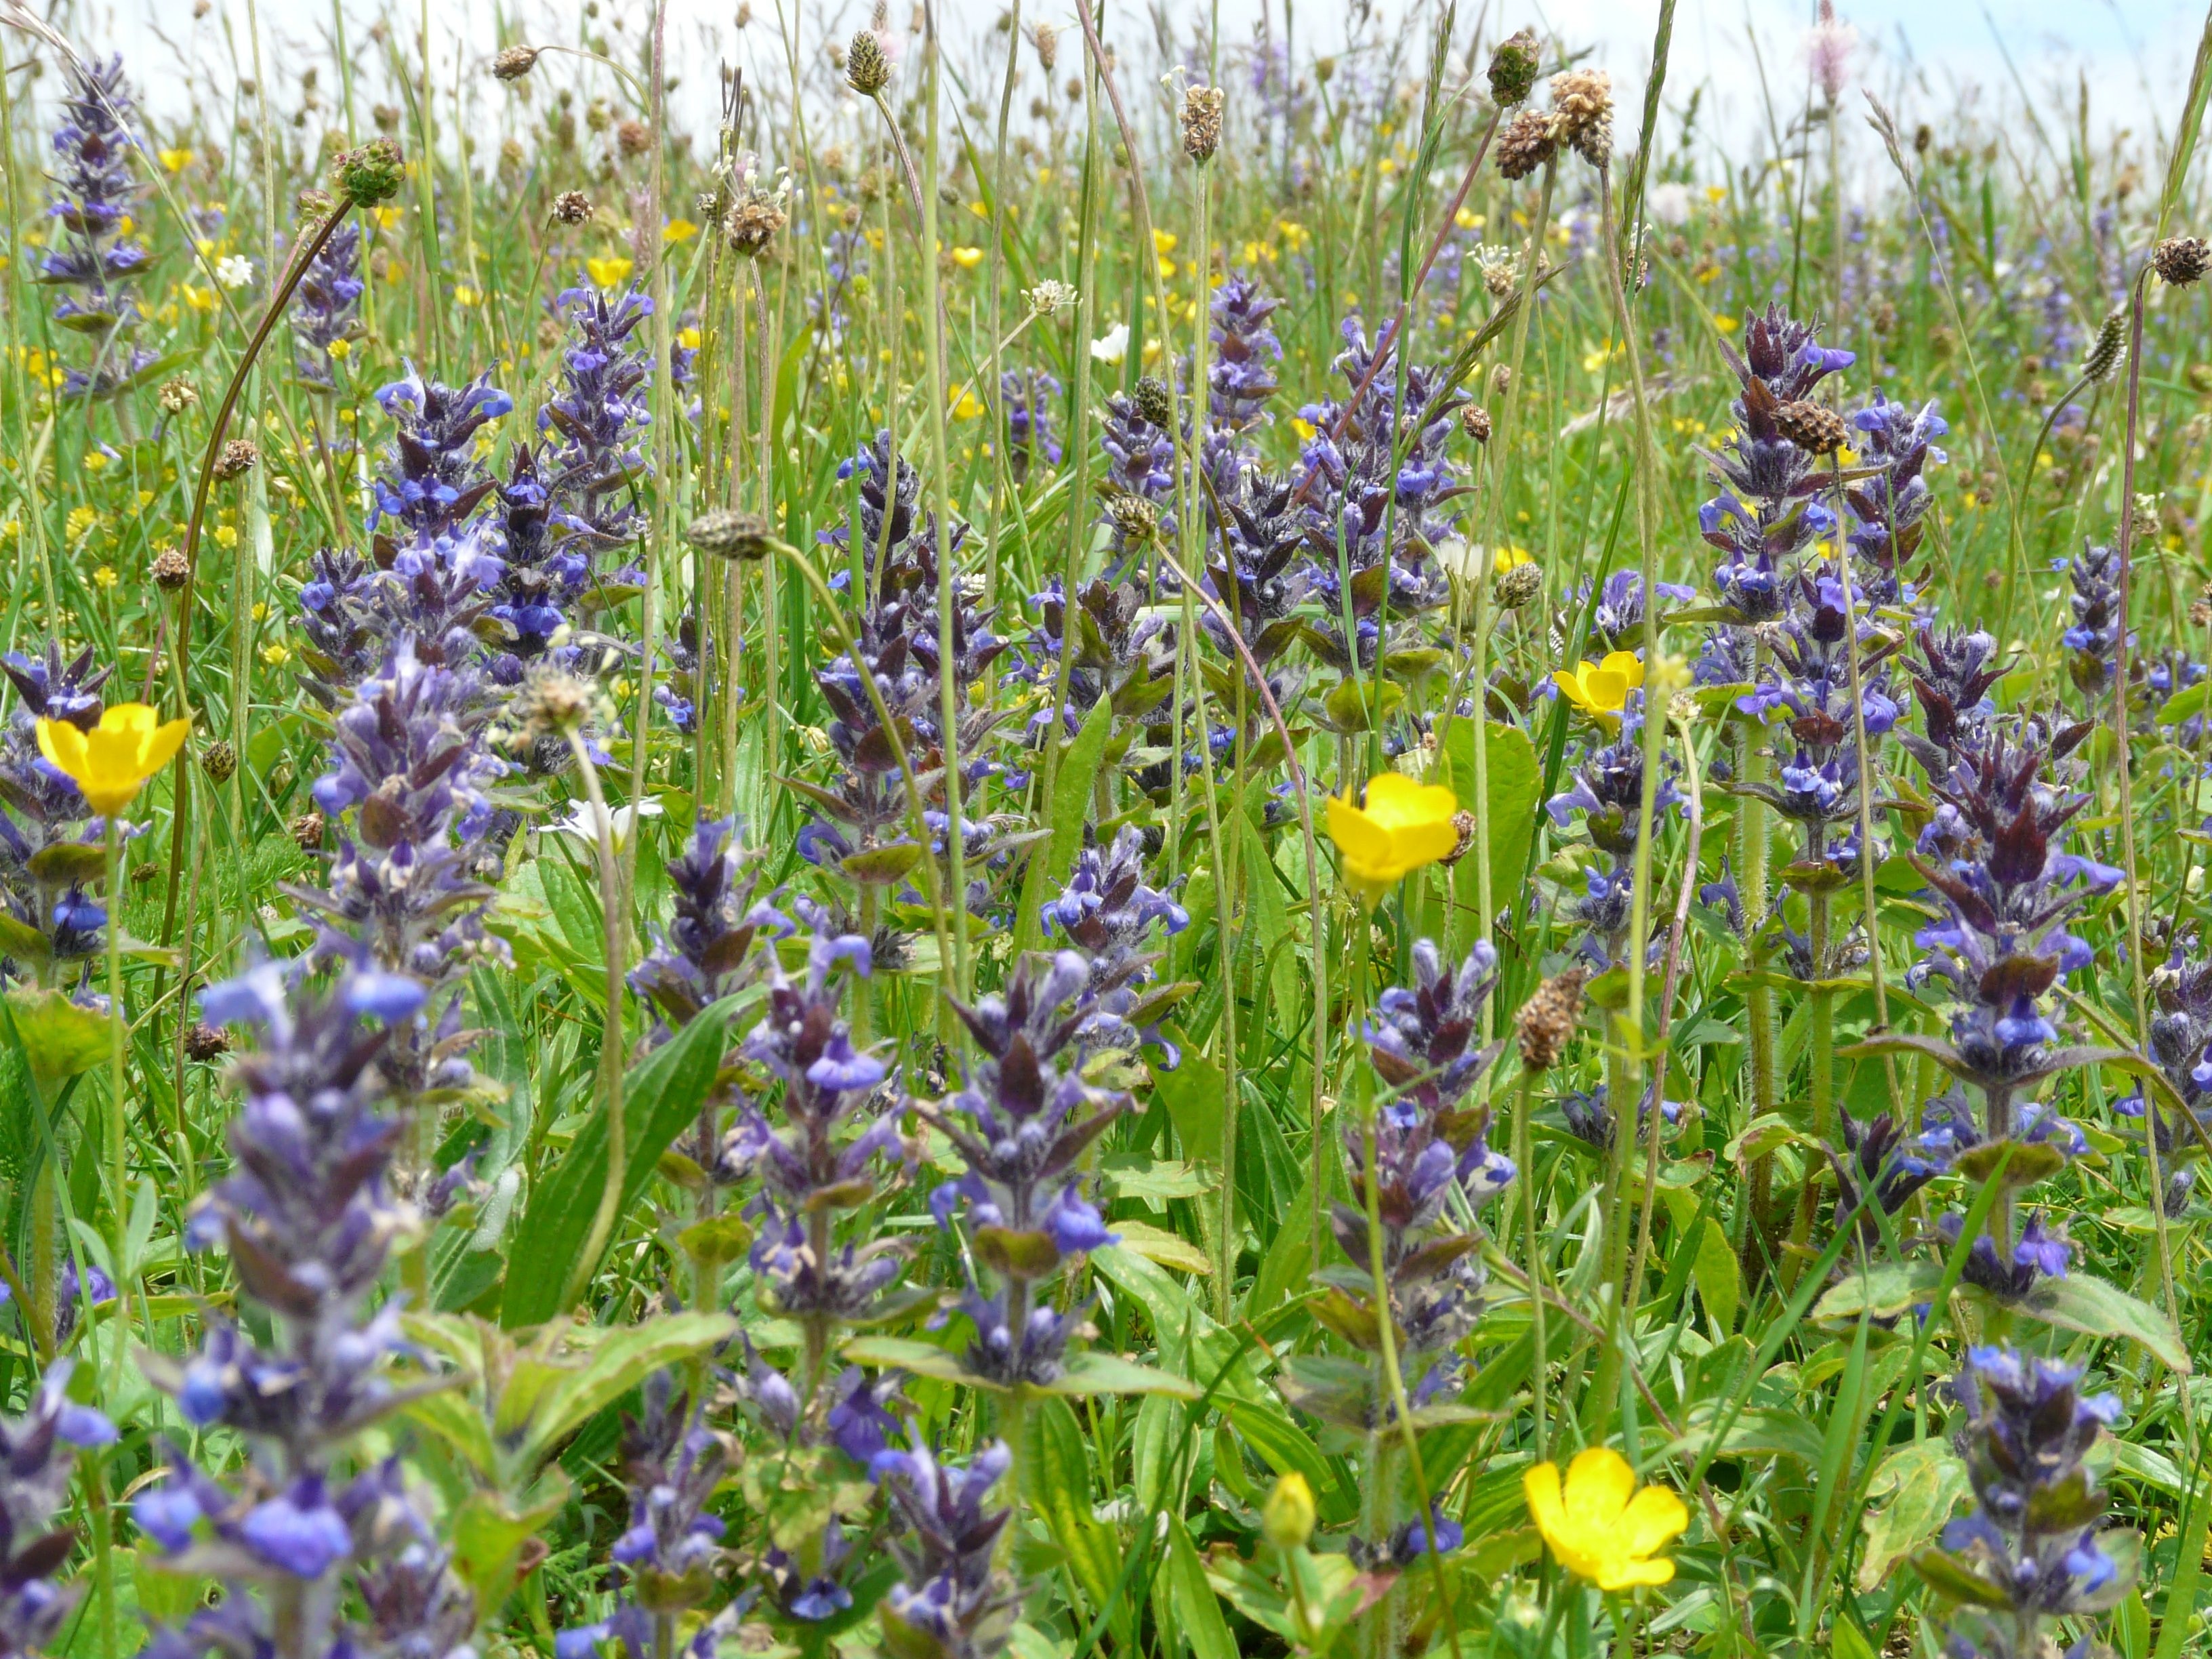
(487, 1535)
(661, 1096)
(1094, 1373)
(1510, 761)
(1883, 1292)
(1719, 1277)
(1057, 1476)
(1197, 1614)
(59, 1038)
(1070, 810)
(1196, 1094)
(905, 1353)
(1158, 1244)
(622, 1358)
(2081, 1302)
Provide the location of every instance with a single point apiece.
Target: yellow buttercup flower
(1403, 826)
(176, 160)
(111, 762)
(1600, 1527)
(677, 232)
(1509, 558)
(967, 258)
(1601, 690)
(610, 270)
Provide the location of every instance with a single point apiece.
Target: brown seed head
(219, 760)
(1581, 114)
(176, 396)
(1463, 826)
(308, 832)
(729, 534)
(1516, 587)
(1474, 420)
(633, 138)
(1513, 68)
(1135, 519)
(1153, 400)
(236, 460)
(571, 207)
(552, 703)
(1046, 39)
(868, 70)
(1201, 121)
(1546, 1021)
(514, 63)
(2181, 260)
(1525, 145)
(171, 569)
(205, 1042)
(752, 221)
(1815, 430)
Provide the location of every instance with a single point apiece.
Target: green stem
(611, 1040)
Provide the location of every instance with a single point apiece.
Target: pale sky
(2135, 55)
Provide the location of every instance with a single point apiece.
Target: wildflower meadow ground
(1110, 841)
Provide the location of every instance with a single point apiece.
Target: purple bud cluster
(1027, 395)
(1430, 1149)
(1606, 788)
(326, 306)
(952, 1601)
(310, 1219)
(816, 1168)
(1021, 1124)
(1107, 912)
(2030, 1551)
(1768, 510)
(2093, 642)
(37, 1461)
(1381, 492)
(94, 255)
(1809, 685)
(596, 420)
(1889, 496)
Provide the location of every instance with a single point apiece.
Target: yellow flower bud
(1288, 1519)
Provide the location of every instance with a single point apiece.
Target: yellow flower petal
(1654, 1517)
(1627, 664)
(1625, 1575)
(1598, 1484)
(1361, 840)
(1398, 802)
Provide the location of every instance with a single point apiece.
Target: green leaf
(1923, 1482)
(1094, 1373)
(487, 1535)
(1196, 1094)
(59, 1038)
(1719, 1276)
(1883, 1293)
(661, 1096)
(623, 1357)
(905, 1353)
(1197, 1614)
(2082, 1303)
(1057, 1474)
(1135, 1175)
(2184, 703)
(1070, 810)
(1510, 761)
(1955, 1581)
